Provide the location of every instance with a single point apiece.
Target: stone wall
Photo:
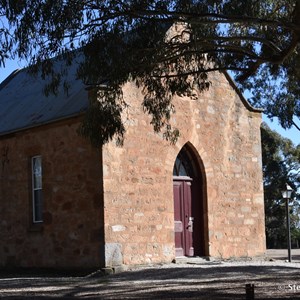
(137, 178)
(135, 186)
(71, 235)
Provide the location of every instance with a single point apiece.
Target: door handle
(190, 224)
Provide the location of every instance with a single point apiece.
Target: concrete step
(195, 260)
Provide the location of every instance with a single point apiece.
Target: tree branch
(211, 18)
(260, 40)
(294, 123)
(199, 71)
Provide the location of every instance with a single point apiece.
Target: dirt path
(208, 280)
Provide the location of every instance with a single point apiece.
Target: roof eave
(17, 130)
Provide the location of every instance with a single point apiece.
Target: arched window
(183, 166)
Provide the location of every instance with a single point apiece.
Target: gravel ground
(274, 279)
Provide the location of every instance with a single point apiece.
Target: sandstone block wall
(115, 206)
(137, 178)
(71, 235)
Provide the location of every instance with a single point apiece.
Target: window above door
(183, 165)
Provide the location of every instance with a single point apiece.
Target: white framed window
(37, 201)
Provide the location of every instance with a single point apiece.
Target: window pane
(182, 170)
(176, 167)
(38, 206)
(37, 173)
(183, 165)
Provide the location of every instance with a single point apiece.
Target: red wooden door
(183, 217)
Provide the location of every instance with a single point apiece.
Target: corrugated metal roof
(23, 103)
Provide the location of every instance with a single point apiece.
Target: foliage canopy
(281, 165)
(131, 39)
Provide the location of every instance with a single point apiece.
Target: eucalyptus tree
(130, 39)
(281, 165)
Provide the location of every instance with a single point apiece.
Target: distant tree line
(281, 165)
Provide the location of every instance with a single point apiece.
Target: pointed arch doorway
(189, 205)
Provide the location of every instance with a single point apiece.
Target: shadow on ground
(210, 281)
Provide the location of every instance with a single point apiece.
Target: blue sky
(292, 134)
